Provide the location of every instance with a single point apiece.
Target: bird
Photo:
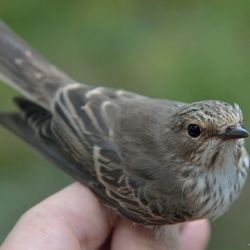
(155, 162)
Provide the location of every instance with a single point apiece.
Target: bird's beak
(235, 132)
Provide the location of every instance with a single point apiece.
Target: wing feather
(80, 123)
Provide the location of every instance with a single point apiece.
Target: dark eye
(194, 130)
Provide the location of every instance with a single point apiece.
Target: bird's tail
(25, 70)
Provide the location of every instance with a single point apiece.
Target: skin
(74, 219)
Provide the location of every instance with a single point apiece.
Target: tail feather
(25, 70)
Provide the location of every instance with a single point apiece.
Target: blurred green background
(181, 50)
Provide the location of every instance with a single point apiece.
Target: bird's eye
(194, 130)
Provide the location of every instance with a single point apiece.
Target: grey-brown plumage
(154, 161)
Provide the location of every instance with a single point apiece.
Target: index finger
(70, 219)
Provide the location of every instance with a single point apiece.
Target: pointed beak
(235, 132)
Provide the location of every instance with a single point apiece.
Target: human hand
(75, 219)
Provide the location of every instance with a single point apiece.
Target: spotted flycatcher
(155, 162)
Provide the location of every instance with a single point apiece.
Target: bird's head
(201, 129)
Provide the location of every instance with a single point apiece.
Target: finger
(71, 219)
(195, 235)
(132, 237)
